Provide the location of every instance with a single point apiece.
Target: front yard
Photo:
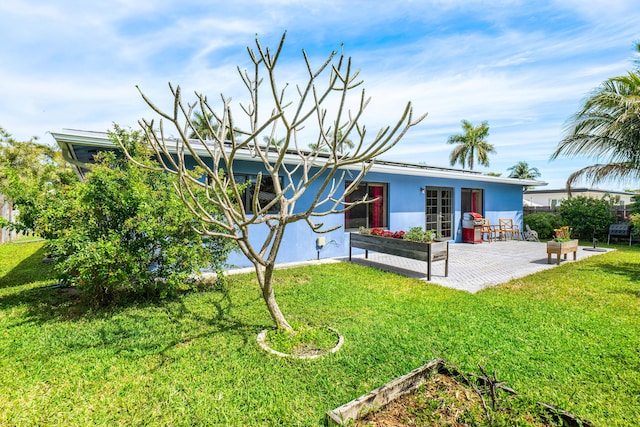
(568, 336)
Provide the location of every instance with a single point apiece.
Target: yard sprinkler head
(594, 249)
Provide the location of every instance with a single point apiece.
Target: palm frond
(600, 173)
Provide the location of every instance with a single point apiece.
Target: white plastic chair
(530, 235)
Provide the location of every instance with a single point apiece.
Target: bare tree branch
(288, 170)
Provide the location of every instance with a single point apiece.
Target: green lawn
(568, 336)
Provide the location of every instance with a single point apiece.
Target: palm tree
(607, 127)
(205, 126)
(522, 170)
(318, 147)
(202, 125)
(342, 141)
(273, 141)
(338, 138)
(471, 144)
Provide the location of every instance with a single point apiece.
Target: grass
(305, 340)
(568, 336)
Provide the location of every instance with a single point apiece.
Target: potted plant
(562, 244)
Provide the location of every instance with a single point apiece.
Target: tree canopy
(28, 170)
(607, 128)
(472, 145)
(123, 232)
(522, 170)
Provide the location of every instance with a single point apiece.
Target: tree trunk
(265, 276)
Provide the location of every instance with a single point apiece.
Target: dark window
(472, 200)
(265, 196)
(369, 215)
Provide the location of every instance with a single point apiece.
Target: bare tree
(290, 169)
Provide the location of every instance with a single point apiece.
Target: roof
(79, 147)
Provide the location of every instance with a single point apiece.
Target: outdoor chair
(508, 229)
(489, 230)
(530, 235)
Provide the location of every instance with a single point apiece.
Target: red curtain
(377, 214)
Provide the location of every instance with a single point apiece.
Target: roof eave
(67, 138)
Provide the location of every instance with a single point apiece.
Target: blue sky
(523, 66)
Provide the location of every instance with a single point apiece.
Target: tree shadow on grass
(630, 270)
(156, 328)
(136, 328)
(29, 270)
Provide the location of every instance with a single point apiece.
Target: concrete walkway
(475, 267)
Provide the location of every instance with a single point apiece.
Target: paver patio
(473, 267)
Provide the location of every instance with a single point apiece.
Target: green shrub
(544, 223)
(417, 234)
(588, 217)
(634, 207)
(125, 232)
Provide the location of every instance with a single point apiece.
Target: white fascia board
(76, 137)
(452, 174)
(101, 139)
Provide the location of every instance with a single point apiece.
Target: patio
(473, 267)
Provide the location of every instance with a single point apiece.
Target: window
(367, 215)
(265, 196)
(472, 200)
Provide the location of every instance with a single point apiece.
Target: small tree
(292, 170)
(28, 170)
(588, 217)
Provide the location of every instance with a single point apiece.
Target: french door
(439, 211)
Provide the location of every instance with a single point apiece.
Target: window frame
(384, 209)
(469, 203)
(243, 178)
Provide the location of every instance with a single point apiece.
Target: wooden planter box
(395, 389)
(429, 252)
(561, 248)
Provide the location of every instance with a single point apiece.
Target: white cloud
(522, 67)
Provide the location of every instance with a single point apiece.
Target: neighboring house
(408, 195)
(552, 198)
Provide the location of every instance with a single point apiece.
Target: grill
(471, 227)
(618, 231)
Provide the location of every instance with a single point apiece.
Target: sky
(525, 66)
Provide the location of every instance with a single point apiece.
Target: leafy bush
(29, 170)
(588, 217)
(417, 234)
(124, 231)
(543, 223)
(634, 207)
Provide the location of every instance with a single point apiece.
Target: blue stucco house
(407, 195)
